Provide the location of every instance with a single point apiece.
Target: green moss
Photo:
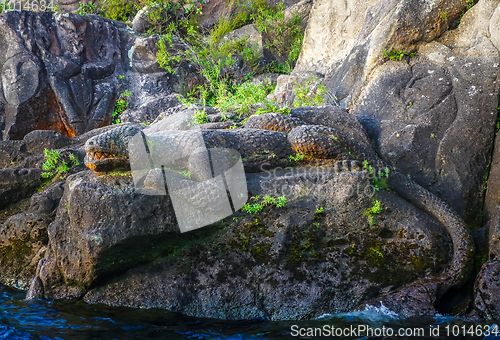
(44, 183)
(18, 249)
(304, 246)
(372, 211)
(374, 255)
(74, 283)
(260, 252)
(117, 172)
(121, 10)
(419, 264)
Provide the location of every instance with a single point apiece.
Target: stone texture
(425, 115)
(18, 183)
(100, 223)
(487, 291)
(492, 204)
(284, 263)
(149, 111)
(61, 65)
(487, 18)
(23, 238)
(331, 34)
(358, 44)
(141, 24)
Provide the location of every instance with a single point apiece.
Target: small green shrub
(398, 55)
(283, 38)
(53, 165)
(281, 201)
(121, 10)
(199, 117)
(278, 67)
(244, 96)
(470, 4)
(268, 200)
(372, 211)
(120, 106)
(379, 179)
(216, 59)
(271, 107)
(90, 8)
(254, 208)
(309, 94)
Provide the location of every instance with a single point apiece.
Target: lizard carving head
(110, 149)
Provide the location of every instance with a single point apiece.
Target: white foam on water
(370, 313)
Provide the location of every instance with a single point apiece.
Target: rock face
(18, 183)
(64, 72)
(23, 238)
(487, 290)
(100, 222)
(424, 114)
(283, 263)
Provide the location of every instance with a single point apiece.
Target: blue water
(70, 319)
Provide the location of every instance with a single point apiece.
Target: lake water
(75, 320)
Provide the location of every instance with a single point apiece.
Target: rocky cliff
(415, 82)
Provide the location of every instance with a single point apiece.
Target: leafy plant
(372, 211)
(120, 106)
(253, 208)
(120, 10)
(297, 158)
(278, 67)
(319, 210)
(90, 8)
(310, 93)
(216, 59)
(73, 159)
(53, 165)
(244, 97)
(281, 201)
(379, 179)
(284, 110)
(398, 55)
(268, 200)
(283, 38)
(199, 117)
(444, 16)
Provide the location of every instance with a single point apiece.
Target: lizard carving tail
(330, 143)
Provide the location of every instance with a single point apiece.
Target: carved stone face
(69, 37)
(20, 78)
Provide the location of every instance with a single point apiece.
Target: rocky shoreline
(418, 87)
